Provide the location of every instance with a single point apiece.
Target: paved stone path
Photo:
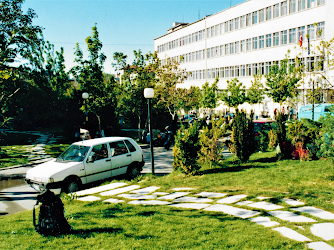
(234, 205)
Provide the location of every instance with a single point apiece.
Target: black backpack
(51, 220)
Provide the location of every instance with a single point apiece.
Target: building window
(292, 35)
(284, 37)
(237, 23)
(243, 70)
(231, 25)
(301, 32)
(243, 45)
(221, 50)
(293, 7)
(261, 42)
(268, 13)
(226, 26)
(276, 10)
(221, 73)
(221, 28)
(284, 8)
(268, 67)
(276, 39)
(212, 31)
(237, 71)
(248, 70)
(261, 15)
(254, 17)
(227, 71)
(268, 40)
(249, 44)
(310, 64)
(237, 47)
(301, 5)
(231, 71)
(217, 51)
(249, 19)
(193, 56)
(255, 72)
(242, 21)
(261, 68)
(212, 52)
(231, 48)
(321, 30)
(217, 30)
(311, 31)
(254, 43)
(227, 51)
(320, 2)
(208, 53)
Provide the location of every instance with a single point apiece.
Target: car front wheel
(71, 185)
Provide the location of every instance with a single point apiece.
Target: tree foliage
(237, 91)
(209, 97)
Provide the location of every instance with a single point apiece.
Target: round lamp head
(229, 94)
(85, 95)
(149, 93)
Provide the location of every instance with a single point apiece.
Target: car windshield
(73, 153)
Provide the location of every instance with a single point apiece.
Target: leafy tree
(255, 93)
(17, 34)
(325, 141)
(168, 75)
(238, 93)
(188, 98)
(209, 97)
(89, 75)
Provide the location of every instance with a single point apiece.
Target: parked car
(88, 161)
(305, 111)
(263, 125)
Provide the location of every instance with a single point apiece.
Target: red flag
(301, 39)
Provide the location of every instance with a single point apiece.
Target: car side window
(130, 146)
(118, 148)
(99, 152)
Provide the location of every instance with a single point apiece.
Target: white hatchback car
(88, 161)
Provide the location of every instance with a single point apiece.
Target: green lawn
(123, 226)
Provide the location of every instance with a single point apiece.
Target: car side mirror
(90, 159)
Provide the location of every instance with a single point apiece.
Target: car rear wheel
(133, 171)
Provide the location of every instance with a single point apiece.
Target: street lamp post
(149, 94)
(85, 96)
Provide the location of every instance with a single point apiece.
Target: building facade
(248, 39)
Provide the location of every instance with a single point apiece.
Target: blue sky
(123, 25)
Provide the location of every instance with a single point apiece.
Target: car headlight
(47, 180)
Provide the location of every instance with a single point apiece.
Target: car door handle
(108, 160)
(128, 155)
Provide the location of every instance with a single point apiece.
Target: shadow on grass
(229, 169)
(85, 233)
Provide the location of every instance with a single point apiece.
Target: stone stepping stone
(263, 198)
(151, 202)
(265, 206)
(160, 193)
(137, 196)
(190, 205)
(244, 203)
(232, 199)
(120, 190)
(211, 195)
(146, 190)
(316, 212)
(264, 221)
(238, 212)
(99, 189)
(173, 196)
(293, 202)
(323, 230)
(291, 234)
(289, 216)
(319, 246)
(183, 189)
(114, 201)
(89, 198)
(192, 199)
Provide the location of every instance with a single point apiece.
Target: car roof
(101, 140)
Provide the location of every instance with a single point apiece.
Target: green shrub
(186, 148)
(325, 141)
(281, 136)
(211, 148)
(273, 139)
(242, 140)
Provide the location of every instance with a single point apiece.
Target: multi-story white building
(247, 39)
